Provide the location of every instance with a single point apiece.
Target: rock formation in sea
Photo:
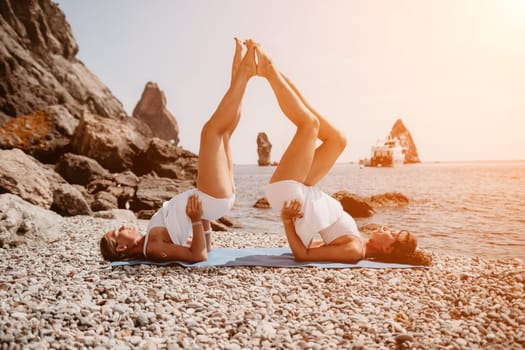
(152, 110)
(66, 143)
(400, 131)
(264, 149)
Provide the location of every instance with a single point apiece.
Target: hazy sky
(453, 70)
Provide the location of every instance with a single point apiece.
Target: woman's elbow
(199, 256)
(300, 256)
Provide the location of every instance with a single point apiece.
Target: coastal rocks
(112, 192)
(152, 110)
(21, 221)
(262, 203)
(116, 214)
(264, 148)
(114, 143)
(39, 67)
(166, 160)
(44, 134)
(70, 146)
(24, 176)
(68, 201)
(77, 169)
(388, 200)
(359, 207)
(20, 174)
(400, 132)
(153, 192)
(354, 205)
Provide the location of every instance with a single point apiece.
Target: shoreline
(63, 294)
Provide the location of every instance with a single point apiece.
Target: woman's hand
(194, 208)
(292, 210)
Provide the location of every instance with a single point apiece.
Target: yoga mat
(268, 257)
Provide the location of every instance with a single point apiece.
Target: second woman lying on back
(306, 210)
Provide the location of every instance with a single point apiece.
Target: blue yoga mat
(268, 257)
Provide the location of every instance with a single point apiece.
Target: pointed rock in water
(152, 110)
(264, 149)
(262, 203)
(400, 132)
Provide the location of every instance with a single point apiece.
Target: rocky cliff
(400, 131)
(66, 143)
(38, 67)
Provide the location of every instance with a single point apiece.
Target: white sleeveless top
(172, 215)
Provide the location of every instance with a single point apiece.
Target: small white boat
(387, 153)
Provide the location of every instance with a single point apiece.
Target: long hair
(404, 252)
(108, 249)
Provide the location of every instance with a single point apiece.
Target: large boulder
(400, 132)
(111, 192)
(81, 170)
(354, 205)
(67, 200)
(114, 143)
(44, 134)
(264, 149)
(152, 110)
(167, 160)
(23, 176)
(152, 192)
(388, 200)
(358, 206)
(38, 64)
(23, 222)
(26, 177)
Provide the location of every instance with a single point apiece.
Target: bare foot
(265, 66)
(248, 66)
(237, 57)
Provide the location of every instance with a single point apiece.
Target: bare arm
(347, 250)
(207, 233)
(164, 250)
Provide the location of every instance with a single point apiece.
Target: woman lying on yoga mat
(306, 210)
(169, 229)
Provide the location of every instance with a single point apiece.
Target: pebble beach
(62, 295)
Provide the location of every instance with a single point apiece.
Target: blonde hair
(108, 249)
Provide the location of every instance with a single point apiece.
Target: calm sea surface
(458, 208)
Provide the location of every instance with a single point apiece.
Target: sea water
(458, 208)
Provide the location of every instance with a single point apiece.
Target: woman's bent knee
(340, 140)
(210, 129)
(310, 123)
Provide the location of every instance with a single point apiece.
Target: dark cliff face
(400, 131)
(38, 67)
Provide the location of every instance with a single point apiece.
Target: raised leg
(333, 142)
(215, 175)
(297, 160)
